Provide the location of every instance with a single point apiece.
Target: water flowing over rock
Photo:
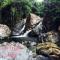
(4, 31)
(19, 27)
(32, 24)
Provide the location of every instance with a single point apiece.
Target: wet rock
(52, 37)
(32, 21)
(19, 27)
(29, 27)
(48, 48)
(14, 51)
(54, 57)
(38, 28)
(35, 19)
(41, 57)
(4, 31)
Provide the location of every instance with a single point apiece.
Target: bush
(38, 8)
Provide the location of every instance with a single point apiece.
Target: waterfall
(22, 29)
(23, 35)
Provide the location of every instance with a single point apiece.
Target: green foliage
(5, 3)
(26, 6)
(38, 8)
(19, 8)
(22, 8)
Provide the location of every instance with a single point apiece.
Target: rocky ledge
(48, 49)
(4, 31)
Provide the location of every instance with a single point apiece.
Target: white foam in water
(22, 29)
(24, 35)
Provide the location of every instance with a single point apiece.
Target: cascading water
(23, 35)
(28, 29)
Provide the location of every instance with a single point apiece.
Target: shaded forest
(33, 23)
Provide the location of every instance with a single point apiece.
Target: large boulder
(4, 31)
(41, 57)
(32, 21)
(52, 37)
(14, 51)
(32, 24)
(50, 49)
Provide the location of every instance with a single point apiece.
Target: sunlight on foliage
(5, 2)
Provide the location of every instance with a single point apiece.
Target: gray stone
(41, 57)
(4, 31)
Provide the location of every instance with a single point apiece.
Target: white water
(15, 33)
(23, 35)
(22, 29)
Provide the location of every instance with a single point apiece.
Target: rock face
(4, 31)
(52, 37)
(14, 51)
(41, 57)
(50, 49)
(19, 27)
(32, 24)
(32, 21)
